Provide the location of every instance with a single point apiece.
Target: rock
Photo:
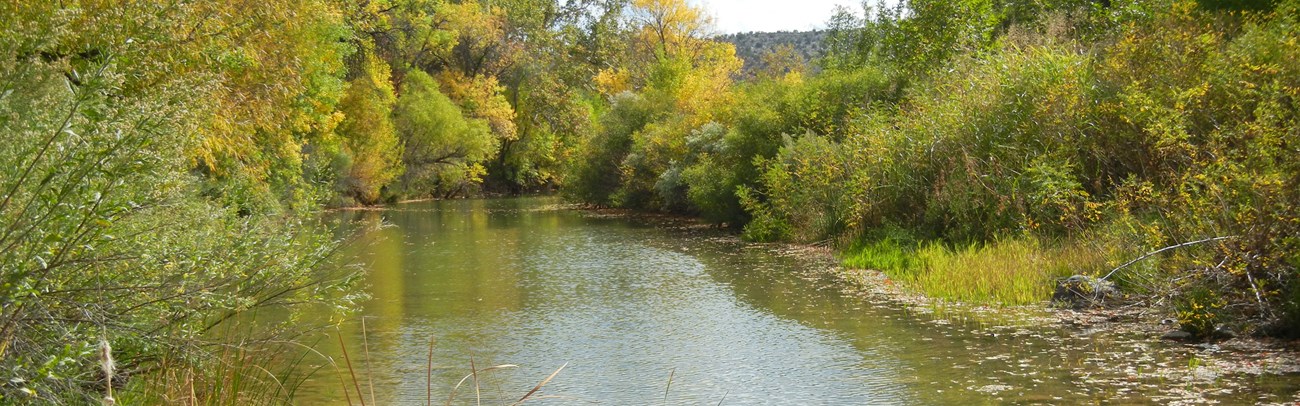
(1081, 291)
(1220, 332)
(1224, 332)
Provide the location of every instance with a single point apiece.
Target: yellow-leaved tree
(369, 137)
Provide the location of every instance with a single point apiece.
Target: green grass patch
(890, 256)
(1013, 271)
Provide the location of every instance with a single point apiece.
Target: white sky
(732, 16)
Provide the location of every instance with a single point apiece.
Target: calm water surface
(626, 304)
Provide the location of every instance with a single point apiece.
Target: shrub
(108, 245)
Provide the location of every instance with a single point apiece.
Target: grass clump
(891, 249)
(1010, 271)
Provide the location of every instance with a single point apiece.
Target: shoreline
(1139, 323)
(1243, 354)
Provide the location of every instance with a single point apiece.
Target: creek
(643, 311)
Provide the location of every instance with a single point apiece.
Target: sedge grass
(1010, 271)
(236, 368)
(473, 376)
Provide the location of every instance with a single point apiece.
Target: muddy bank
(1194, 372)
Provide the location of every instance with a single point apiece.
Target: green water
(625, 304)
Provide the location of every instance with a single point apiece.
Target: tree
(783, 60)
(444, 151)
(370, 139)
(668, 26)
(108, 244)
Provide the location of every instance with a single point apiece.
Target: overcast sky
(733, 16)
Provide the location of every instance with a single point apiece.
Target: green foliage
(996, 128)
(1006, 271)
(369, 137)
(595, 175)
(443, 150)
(688, 182)
(551, 116)
(1175, 132)
(807, 189)
(1011, 271)
(885, 255)
(726, 161)
(824, 105)
(765, 227)
(924, 36)
(106, 237)
(1199, 310)
(648, 181)
(1238, 5)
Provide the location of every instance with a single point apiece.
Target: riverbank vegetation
(161, 162)
(980, 150)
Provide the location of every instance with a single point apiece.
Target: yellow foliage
(669, 26)
(613, 81)
(482, 97)
(370, 137)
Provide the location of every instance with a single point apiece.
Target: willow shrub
(443, 151)
(594, 175)
(369, 134)
(105, 242)
(985, 151)
(781, 111)
(1218, 128)
(1181, 127)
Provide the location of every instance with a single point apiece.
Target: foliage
(1010, 271)
(1006, 271)
(990, 131)
(595, 177)
(369, 137)
(889, 249)
(109, 246)
(443, 150)
(974, 149)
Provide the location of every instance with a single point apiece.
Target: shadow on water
(526, 282)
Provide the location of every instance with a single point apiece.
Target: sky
(732, 16)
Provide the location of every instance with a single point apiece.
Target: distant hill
(751, 46)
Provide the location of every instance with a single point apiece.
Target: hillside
(751, 46)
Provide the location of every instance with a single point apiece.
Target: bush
(595, 175)
(108, 245)
(369, 137)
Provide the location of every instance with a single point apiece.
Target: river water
(646, 314)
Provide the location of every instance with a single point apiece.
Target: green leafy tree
(444, 151)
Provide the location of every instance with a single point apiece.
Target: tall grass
(235, 375)
(350, 382)
(1012, 271)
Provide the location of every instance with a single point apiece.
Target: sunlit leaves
(368, 132)
(444, 150)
